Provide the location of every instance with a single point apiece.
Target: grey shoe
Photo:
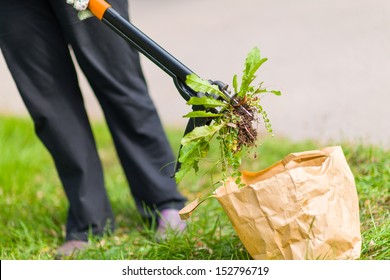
(71, 248)
(169, 220)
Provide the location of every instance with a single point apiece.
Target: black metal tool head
(231, 98)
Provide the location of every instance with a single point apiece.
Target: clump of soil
(247, 134)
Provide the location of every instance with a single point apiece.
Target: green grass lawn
(33, 205)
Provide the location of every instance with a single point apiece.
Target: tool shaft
(146, 45)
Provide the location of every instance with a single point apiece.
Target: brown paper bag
(303, 207)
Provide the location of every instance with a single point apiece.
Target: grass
(33, 205)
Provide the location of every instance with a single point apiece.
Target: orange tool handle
(98, 8)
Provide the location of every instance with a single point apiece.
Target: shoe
(169, 220)
(71, 248)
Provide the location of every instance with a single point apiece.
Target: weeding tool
(163, 59)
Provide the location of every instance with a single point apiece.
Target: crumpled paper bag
(302, 207)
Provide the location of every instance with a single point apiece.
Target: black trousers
(34, 39)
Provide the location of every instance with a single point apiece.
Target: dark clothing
(34, 39)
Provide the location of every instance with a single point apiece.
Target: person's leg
(113, 69)
(37, 55)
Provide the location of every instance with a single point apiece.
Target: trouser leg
(113, 69)
(37, 55)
